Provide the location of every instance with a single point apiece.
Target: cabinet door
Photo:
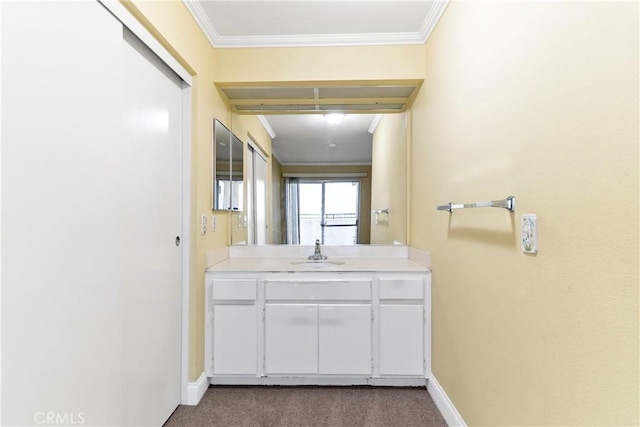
(344, 339)
(401, 339)
(235, 339)
(291, 339)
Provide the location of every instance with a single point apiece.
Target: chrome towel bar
(377, 212)
(508, 203)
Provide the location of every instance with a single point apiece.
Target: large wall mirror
(342, 183)
(336, 171)
(227, 182)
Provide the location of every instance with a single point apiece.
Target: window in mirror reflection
(324, 210)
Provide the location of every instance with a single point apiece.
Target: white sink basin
(318, 263)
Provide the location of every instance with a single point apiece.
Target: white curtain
(292, 210)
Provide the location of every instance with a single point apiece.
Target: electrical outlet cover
(529, 234)
(203, 225)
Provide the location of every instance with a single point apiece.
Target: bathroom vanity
(347, 320)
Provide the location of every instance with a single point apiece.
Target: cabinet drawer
(409, 288)
(234, 289)
(319, 290)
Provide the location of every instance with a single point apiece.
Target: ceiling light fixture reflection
(334, 118)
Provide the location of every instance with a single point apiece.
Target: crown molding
(265, 124)
(432, 19)
(315, 40)
(375, 122)
(201, 18)
(370, 39)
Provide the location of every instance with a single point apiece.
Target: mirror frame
(237, 174)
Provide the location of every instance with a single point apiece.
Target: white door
(291, 338)
(344, 339)
(91, 209)
(235, 339)
(401, 339)
(151, 207)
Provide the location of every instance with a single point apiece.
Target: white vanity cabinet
(291, 338)
(232, 327)
(318, 328)
(402, 325)
(344, 336)
(318, 339)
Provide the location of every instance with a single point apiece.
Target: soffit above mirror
(320, 97)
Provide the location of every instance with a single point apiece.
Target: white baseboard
(320, 381)
(196, 390)
(444, 404)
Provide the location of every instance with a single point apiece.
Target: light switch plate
(213, 223)
(529, 234)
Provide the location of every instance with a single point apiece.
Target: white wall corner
(196, 390)
(434, 15)
(449, 412)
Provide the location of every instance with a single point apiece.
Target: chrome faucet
(317, 255)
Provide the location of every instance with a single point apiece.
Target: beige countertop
(304, 265)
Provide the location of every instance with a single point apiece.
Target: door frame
(253, 150)
(128, 20)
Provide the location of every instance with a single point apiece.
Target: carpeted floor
(268, 406)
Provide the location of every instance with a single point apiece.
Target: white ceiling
(305, 138)
(263, 23)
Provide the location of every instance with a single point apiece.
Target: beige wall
(389, 179)
(277, 202)
(538, 100)
(365, 191)
(248, 127)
